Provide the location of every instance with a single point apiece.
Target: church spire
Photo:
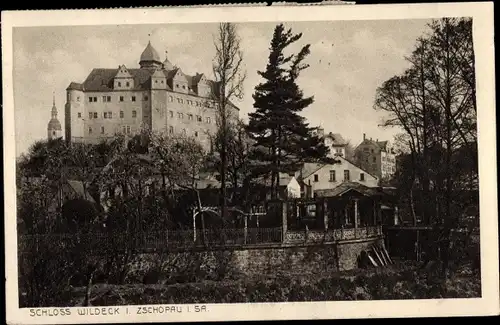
(54, 108)
(54, 129)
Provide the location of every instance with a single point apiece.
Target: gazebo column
(346, 212)
(325, 213)
(356, 216)
(284, 217)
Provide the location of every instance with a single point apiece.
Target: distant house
(314, 176)
(334, 141)
(68, 190)
(376, 157)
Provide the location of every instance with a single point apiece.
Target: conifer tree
(283, 138)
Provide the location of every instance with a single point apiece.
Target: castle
(158, 96)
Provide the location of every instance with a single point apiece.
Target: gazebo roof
(349, 187)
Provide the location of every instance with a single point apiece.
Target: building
(54, 130)
(315, 177)
(376, 157)
(158, 95)
(334, 141)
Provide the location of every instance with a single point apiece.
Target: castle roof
(382, 145)
(150, 54)
(75, 86)
(54, 124)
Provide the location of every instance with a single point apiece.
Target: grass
(401, 281)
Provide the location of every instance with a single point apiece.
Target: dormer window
(128, 84)
(119, 84)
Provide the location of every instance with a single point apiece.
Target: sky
(348, 61)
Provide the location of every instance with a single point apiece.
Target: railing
(333, 234)
(184, 239)
(147, 241)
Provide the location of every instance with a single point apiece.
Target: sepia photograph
(170, 163)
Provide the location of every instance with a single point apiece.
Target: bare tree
(229, 77)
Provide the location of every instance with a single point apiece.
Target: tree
(229, 77)
(282, 137)
(433, 101)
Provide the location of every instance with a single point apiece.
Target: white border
(482, 13)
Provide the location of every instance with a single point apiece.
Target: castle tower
(150, 58)
(54, 130)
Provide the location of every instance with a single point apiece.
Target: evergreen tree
(283, 139)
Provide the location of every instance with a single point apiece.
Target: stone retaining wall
(220, 264)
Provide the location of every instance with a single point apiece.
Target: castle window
(184, 131)
(346, 175)
(110, 114)
(183, 87)
(53, 132)
(361, 176)
(128, 129)
(91, 99)
(162, 81)
(90, 115)
(176, 85)
(208, 120)
(145, 98)
(156, 81)
(119, 84)
(316, 178)
(332, 176)
(196, 133)
(171, 113)
(374, 159)
(190, 116)
(102, 129)
(79, 115)
(90, 130)
(78, 98)
(134, 114)
(121, 98)
(121, 114)
(105, 114)
(95, 114)
(180, 115)
(170, 129)
(198, 118)
(128, 84)
(170, 98)
(133, 98)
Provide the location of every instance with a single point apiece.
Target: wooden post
(355, 218)
(246, 228)
(325, 213)
(346, 215)
(396, 217)
(194, 225)
(284, 218)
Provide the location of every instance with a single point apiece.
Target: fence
(333, 234)
(148, 241)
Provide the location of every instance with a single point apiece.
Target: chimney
(364, 136)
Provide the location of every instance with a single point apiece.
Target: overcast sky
(348, 61)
